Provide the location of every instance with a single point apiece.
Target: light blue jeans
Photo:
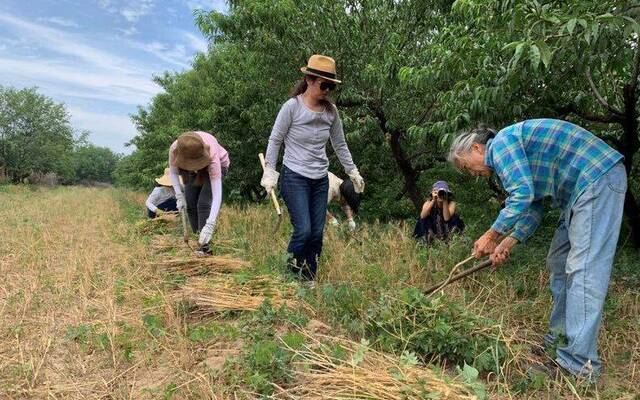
(580, 260)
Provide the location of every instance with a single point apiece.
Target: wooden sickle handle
(272, 193)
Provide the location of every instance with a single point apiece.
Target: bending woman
(305, 123)
(202, 162)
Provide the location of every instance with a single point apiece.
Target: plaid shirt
(541, 158)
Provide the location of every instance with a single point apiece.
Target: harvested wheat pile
(221, 292)
(160, 225)
(164, 243)
(335, 368)
(194, 266)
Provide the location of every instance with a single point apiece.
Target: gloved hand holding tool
(351, 224)
(356, 178)
(269, 182)
(206, 233)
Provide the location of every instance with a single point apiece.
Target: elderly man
(586, 179)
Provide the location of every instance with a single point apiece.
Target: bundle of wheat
(193, 266)
(164, 243)
(160, 225)
(221, 292)
(335, 368)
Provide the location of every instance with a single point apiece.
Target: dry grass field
(97, 303)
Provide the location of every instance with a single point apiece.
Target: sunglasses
(327, 85)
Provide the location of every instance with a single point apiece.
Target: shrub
(435, 328)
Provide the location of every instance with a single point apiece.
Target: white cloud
(64, 22)
(135, 10)
(176, 54)
(106, 129)
(197, 43)
(63, 43)
(104, 85)
(218, 5)
(132, 30)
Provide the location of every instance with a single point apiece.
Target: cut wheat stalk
(193, 266)
(362, 373)
(224, 293)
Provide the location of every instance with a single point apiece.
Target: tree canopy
(414, 74)
(37, 138)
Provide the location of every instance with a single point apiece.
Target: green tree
(35, 135)
(577, 60)
(93, 163)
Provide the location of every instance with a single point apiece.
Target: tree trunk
(408, 172)
(630, 146)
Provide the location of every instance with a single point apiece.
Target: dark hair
(349, 194)
(301, 86)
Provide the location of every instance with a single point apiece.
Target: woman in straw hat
(201, 162)
(304, 124)
(162, 198)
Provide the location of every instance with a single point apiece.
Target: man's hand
(486, 244)
(351, 224)
(503, 251)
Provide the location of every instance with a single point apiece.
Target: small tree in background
(35, 135)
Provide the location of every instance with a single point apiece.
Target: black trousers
(198, 198)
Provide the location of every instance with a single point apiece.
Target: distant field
(97, 303)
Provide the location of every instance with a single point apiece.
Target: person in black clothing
(438, 219)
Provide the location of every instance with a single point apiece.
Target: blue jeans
(306, 201)
(580, 260)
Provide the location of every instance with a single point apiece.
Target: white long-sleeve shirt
(159, 195)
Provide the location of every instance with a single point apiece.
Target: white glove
(180, 202)
(358, 182)
(206, 232)
(269, 179)
(351, 224)
(334, 222)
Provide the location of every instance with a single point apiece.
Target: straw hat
(165, 180)
(322, 66)
(191, 153)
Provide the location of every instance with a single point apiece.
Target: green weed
(435, 327)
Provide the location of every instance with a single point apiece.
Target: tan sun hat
(191, 153)
(322, 66)
(165, 180)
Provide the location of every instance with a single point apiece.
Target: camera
(443, 194)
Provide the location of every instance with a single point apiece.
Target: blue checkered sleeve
(529, 222)
(511, 165)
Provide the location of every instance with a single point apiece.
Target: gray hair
(463, 142)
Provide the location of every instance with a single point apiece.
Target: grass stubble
(87, 312)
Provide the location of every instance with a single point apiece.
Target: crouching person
(162, 198)
(343, 193)
(201, 161)
(438, 219)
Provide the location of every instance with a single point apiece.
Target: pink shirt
(219, 156)
(219, 160)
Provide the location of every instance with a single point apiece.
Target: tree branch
(599, 97)
(605, 119)
(636, 67)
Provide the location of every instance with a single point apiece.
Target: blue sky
(98, 56)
